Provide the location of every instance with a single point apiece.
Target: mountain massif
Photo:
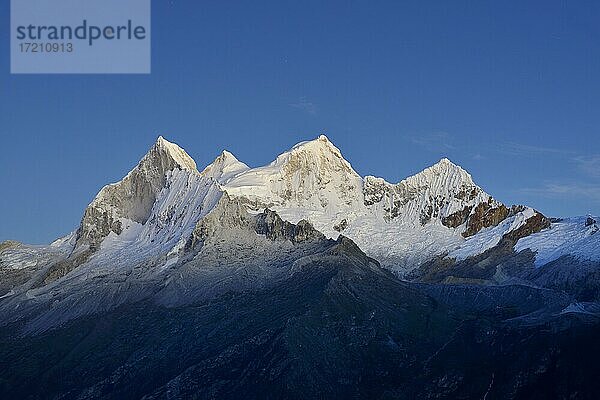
(301, 279)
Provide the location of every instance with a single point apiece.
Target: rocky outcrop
(485, 215)
(375, 189)
(392, 198)
(233, 213)
(457, 218)
(533, 225)
(343, 224)
(273, 227)
(590, 221)
(228, 213)
(7, 244)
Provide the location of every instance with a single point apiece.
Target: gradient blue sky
(509, 90)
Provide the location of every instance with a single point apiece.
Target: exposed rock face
(7, 244)
(97, 223)
(590, 221)
(227, 213)
(533, 225)
(132, 198)
(458, 218)
(341, 226)
(233, 213)
(443, 192)
(376, 189)
(483, 216)
(391, 197)
(270, 224)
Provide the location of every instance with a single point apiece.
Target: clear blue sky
(510, 90)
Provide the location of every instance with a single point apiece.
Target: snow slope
(225, 167)
(490, 237)
(569, 236)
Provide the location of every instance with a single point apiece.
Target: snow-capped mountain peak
(224, 167)
(132, 197)
(442, 176)
(436, 192)
(312, 175)
(324, 151)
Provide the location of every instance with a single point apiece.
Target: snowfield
(569, 236)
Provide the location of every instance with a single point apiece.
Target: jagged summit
(176, 153)
(445, 161)
(132, 197)
(442, 177)
(224, 167)
(313, 181)
(446, 166)
(444, 185)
